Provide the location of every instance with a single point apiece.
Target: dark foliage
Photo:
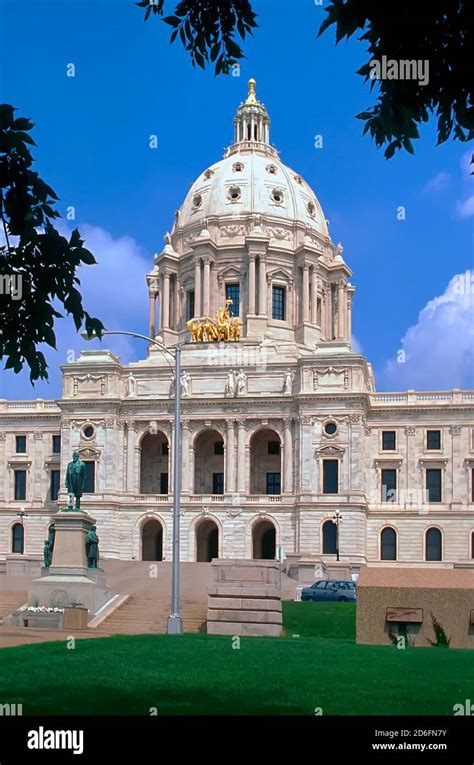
(36, 262)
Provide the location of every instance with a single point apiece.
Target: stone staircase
(142, 614)
(11, 600)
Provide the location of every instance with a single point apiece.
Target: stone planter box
(53, 621)
(76, 618)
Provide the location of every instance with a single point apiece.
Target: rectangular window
(20, 484)
(20, 444)
(232, 292)
(389, 485)
(433, 484)
(433, 439)
(55, 485)
(218, 483)
(330, 476)
(273, 483)
(472, 484)
(190, 304)
(218, 447)
(273, 447)
(56, 444)
(89, 482)
(163, 483)
(389, 440)
(278, 303)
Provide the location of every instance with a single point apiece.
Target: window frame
(274, 473)
(336, 462)
(235, 304)
(384, 498)
(16, 473)
(58, 473)
(25, 440)
(55, 436)
(433, 448)
(389, 448)
(427, 488)
(279, 289)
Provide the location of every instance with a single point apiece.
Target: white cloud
(437, 183)
(465, 209)
(438, 349)
(114, 291)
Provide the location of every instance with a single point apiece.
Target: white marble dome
(252, 182)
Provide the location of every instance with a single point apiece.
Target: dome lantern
(251, 122)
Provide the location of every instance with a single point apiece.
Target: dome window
(272, 169)
(197, 201)
(234, 194)
(208, 174)
(299, 179)
(330, 428)
(277, 196)
(311, 209)
(238, 167)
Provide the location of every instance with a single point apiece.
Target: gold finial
(251, 98)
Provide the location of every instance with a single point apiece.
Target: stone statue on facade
(230, 383)
(288, 383)
(131, 386)
(241, 383)
(75, 478)
(185, 380)
(92, 548)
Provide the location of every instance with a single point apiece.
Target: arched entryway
(154, 464)
(329, 538)
(209, 463)
(207, 541)
(265, 462)
(264, 541)
(152, 540)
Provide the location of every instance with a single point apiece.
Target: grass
(200, 674)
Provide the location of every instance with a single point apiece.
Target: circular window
(311, 209)
(238, 167)
(197, 201)
(272, 169)
(88, 431)
(330, 428)
(234, 193)
(277, 196)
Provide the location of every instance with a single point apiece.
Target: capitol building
(283, 431)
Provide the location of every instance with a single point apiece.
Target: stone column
(185, 433)
(251, 284)
(288, 457)
(305, 317)
(131, 433)
(340, 309)
(262, 279)
(170, 459)
(152, 323)
(207, 285)
(230, 458)
(329, 314)
(241, 456)
(191, 466)
(197, 288)
(260, 122)
(166, 300)
(314, 296)
(177, 302)
(349, 317)
(269, 296)
(244, 128)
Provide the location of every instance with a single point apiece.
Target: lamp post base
(174, 625)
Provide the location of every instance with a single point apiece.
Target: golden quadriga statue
(223, 328)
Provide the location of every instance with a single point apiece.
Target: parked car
(331, 589)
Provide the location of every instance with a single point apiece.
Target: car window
(319, 585)
(343, 586)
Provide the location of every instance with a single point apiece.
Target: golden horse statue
(223, 328)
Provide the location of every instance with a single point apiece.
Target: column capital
(207, 260)
(230, 422)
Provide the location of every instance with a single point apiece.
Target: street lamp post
(174, 624)
(337, 518)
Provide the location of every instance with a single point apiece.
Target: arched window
(388, 544)
(329, 538)
(18, 538)
(434, 546)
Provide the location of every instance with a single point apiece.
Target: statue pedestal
(69, 581)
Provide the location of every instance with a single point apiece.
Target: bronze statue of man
(75, 478)
(47, 554)
(92, 548)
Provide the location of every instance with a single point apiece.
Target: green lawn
(200, 674)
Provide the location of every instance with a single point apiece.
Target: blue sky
(93, 130)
